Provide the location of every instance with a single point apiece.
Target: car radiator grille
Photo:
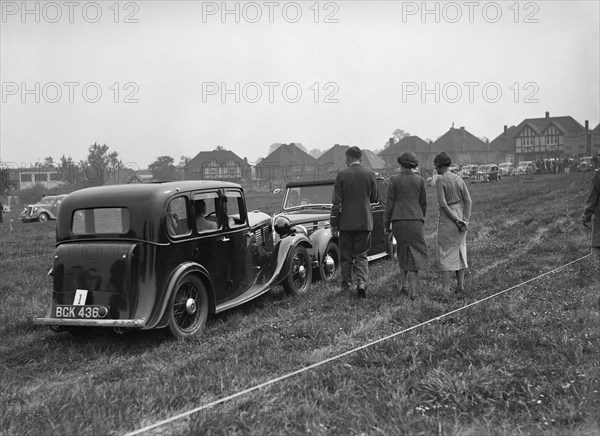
(264, 235)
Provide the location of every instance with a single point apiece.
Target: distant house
(334, 159)
(217, 165)
(595, 140)
(288, 162)
(502, 147)
(46, 175)
(125, 176)
(409, 143)
(462, 146)
(542, 138)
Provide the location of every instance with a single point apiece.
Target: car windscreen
(101, 220)
(305, 195)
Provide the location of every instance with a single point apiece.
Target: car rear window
(104, 220)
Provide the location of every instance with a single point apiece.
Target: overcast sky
(164, 78)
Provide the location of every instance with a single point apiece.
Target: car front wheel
(329, 266)
(188, 308)
(299, 272)
(43, 217)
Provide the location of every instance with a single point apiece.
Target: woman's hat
(442, 160)
(408, 159)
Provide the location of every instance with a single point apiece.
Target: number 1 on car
(80, 297)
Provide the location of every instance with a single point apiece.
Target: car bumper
(124, 323)
(27, 219)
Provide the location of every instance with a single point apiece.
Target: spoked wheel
(188, 308)
(300, 272)
(43, 217)
(329, 267)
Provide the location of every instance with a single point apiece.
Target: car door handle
(223, 239)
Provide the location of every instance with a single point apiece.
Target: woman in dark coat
(455, 209)
(405, 211)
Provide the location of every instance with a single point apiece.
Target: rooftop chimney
(587, 125)
(505, 129)
(547, 114)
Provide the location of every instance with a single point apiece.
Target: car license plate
(80, 312)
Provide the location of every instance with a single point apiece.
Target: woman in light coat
(455, 209)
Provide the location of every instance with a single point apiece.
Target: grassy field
(525, 362)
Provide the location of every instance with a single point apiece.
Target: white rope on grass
(338, 356)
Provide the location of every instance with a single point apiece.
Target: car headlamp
(282, 225)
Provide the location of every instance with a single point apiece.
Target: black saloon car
(149, 256)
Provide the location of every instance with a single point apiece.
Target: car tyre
(299, 272)
(188, 307)
(329, 266)
(43, 217)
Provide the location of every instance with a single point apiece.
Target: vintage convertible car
(308, 205)
(46, 209)
(147, 256)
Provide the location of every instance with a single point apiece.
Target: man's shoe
(361, 291)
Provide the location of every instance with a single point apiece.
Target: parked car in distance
(526, 167)
(468, 171)
(506, 169)
(454, 169)
(46, 209)
(585, 164)
(487, 173)
(307, 204)
(165, 255)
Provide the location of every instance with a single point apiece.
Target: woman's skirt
(451, 243)
(410, 245)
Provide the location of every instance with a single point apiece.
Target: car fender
(320, 238)
(277, 268)
(159, 319)
(286, 246)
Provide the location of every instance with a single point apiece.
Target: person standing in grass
(592, 208)
(405, 212)
(354, 190)
(455, 209)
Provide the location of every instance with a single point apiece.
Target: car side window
(233, 209)
(205, 211)
(177, 217)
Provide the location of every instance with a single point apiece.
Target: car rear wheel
(43, 217)
(329, 267)
(299, 272)
(188, 308)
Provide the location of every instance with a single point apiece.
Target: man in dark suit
(354, 190)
